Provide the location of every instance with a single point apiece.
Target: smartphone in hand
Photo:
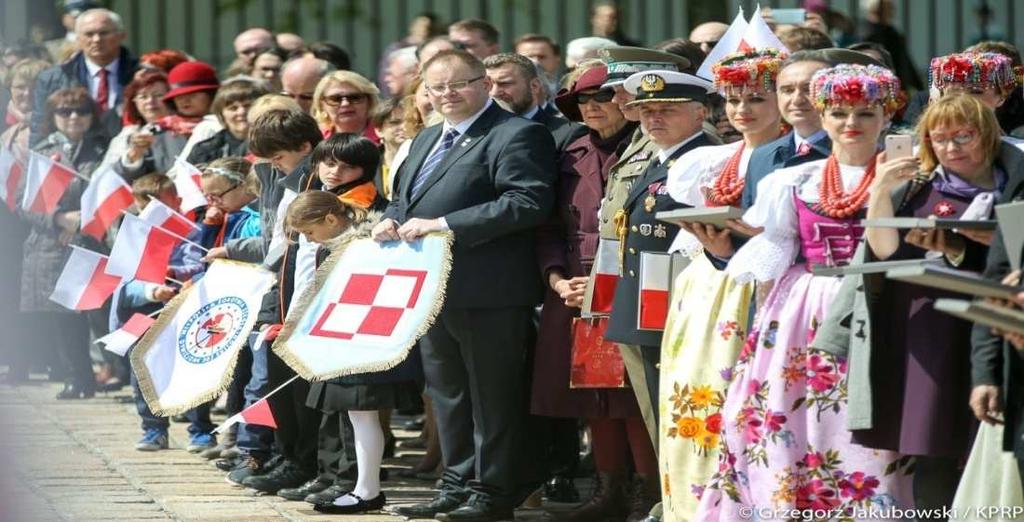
(898, 146)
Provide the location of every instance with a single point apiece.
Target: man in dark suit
(672, 111)
(517, 88)
(101, 65)
(554, 442)
(487, 176)
(807, 141)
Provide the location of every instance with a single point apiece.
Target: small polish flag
(160, 215)
(84, 283)
(120, 340)
(102, 202)
(727, 44)
(10, 175)
(258, 414)
(188, 182)
(141, 251)
(655, 280)
(606, 276)
(45, 183)
(759, 36)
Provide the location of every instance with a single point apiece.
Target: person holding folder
(918, 365)
(701, 340)
(783, 426)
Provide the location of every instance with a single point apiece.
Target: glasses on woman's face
(220, 196)
(960, 139)
(335, 100)
(66, 112)
(602, 96)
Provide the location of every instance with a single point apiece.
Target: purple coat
(568, 243)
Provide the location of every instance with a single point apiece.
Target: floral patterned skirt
(703, 336)
(785, 445)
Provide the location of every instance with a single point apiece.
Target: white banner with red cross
(369, 305)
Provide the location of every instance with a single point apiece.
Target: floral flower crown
(847, 84)
(982, 69)
(755, 68)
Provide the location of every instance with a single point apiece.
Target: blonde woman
(343, 102)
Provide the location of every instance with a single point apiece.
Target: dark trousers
(473, 361)
(297, 424)
(71, 333)
(652, 376)
(336, 450)
(935, 482)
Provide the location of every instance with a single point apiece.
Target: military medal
(651, 200)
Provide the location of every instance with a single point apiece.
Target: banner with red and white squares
(374, 304)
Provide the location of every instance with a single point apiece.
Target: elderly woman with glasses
(343, 102)
(910, 398)
(74, 138)
(566, 248)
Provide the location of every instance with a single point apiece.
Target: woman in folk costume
(784, 443)
(989, 77)
(701, 343)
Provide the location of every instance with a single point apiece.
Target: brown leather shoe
(609, 502)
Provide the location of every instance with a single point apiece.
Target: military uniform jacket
(631, 163)
(644, 234)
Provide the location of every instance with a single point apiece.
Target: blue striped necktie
(434, 160)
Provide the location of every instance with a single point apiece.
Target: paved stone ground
(75, 460)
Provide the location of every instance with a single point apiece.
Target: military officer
(671, 106)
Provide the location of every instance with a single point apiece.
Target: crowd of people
(766, 386)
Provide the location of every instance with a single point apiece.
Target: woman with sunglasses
(75, 139)
(566, 247)
(701, 341)
(343, 102)
(911, 400)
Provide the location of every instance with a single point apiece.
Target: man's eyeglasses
(602, 96)
(218, 197)
(66, 112)
(306, 96)
(438, 89)
(335, 100)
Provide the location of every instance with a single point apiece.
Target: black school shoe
(479, 508)
(442, 503)
(311, 487)
(287, 475)
(361, 506)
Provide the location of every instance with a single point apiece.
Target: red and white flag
(187, 180)
(601, 286)
(10, 175)
(120, 340)
(655, 281)
(160, 215)
(102, 202)
(45, 183)
(727, 44)
(759, 36)
(84, 283)
(141, 251)
(258, 414)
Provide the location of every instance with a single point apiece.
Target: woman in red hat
(566, 247)
(154, 147)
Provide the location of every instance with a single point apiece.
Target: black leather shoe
(309, 488)
(442, 503)
(328, 495)
(561, 489)
(479, 508)
(287, 475)
(74, 391)
(361, 506)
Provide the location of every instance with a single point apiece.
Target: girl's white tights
(369, 453)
